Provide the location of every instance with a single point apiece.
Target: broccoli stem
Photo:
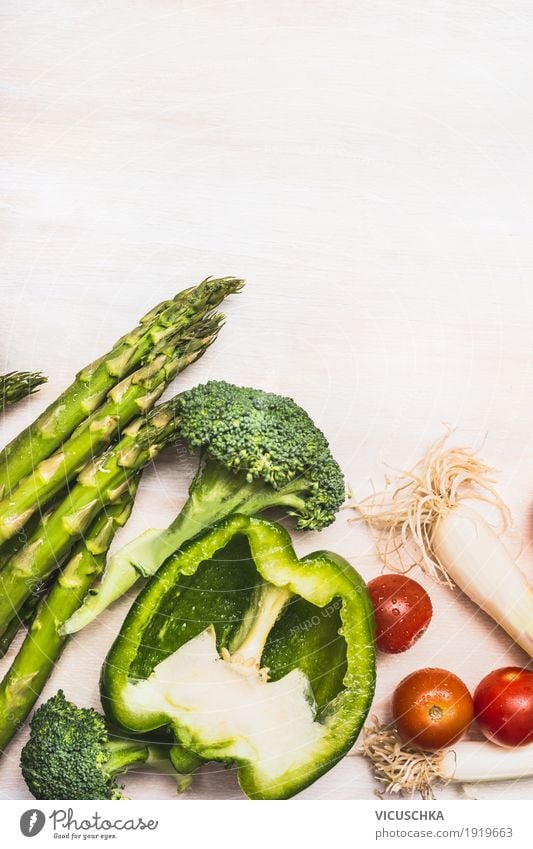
(215, 493)
(125, 753)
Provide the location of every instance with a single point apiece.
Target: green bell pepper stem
(264, 612)
(312, 617)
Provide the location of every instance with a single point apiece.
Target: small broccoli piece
(257, 451)
(70, 754)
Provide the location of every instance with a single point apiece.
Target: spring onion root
(403, 769)
(424, 521)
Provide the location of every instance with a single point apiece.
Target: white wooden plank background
(367, 166)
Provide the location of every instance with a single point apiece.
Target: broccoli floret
(257, 451)
(70, 754)
(270, 438)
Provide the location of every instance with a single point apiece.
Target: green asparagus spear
(24, 616)
(36, 658)
(136, 394)
(101, 482)
(19, 540)
(92, 384)
(19, 384)
(7, 551)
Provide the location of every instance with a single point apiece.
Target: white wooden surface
(367, 166)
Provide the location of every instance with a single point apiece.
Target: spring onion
(424, 521)
(406, 770)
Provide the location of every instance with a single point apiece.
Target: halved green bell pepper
(249, 655)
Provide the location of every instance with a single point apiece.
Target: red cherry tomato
(432, 708)
(402, 609)
(503, 705)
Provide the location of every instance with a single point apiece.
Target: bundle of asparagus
(68, 481)
(134, 394)
(179, 321)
